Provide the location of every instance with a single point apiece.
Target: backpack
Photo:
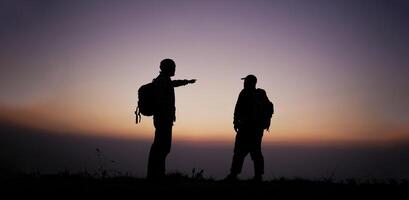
(265, 109)
(146, 101)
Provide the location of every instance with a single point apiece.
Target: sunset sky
(336, 71)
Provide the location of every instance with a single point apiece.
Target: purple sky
(335, 70)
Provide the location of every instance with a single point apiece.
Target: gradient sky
(336, 70)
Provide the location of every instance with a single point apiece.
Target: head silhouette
(250, 82)
(168, 67)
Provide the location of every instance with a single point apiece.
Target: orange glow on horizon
(214, 135)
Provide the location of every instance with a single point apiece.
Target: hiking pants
(248, 141)
(159, 150)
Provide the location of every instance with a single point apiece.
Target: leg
(159, 150)
(240, 152)
(257, 156)
(237, 163)
(153, 162)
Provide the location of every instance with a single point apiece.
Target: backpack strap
(138, 115)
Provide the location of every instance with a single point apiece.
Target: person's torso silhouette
(165, 100)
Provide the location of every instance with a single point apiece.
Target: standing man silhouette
(252, 115)
(163, 117)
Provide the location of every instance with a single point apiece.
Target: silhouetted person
(163, 117)
(251, 116)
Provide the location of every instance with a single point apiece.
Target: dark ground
(178, 185)
(22, 149)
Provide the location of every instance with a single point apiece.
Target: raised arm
(177, 83)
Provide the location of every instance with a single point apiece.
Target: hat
(250, 78)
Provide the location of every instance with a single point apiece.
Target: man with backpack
(252, 115)
(163, 111)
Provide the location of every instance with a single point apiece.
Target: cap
(250, 78)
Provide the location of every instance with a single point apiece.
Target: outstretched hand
(192, 81)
